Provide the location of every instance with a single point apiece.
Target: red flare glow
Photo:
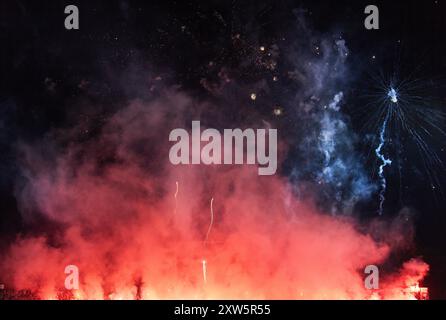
(136, 236)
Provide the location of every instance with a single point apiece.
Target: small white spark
(393, 95)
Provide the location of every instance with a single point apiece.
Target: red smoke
(121, 221)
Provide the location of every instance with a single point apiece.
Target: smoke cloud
(105, 197)
(118, 217)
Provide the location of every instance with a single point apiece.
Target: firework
(404, 109)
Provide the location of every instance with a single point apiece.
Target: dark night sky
(44, 70)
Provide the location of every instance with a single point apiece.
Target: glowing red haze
(134, 235)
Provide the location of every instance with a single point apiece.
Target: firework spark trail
(175, 196)
(204, 271)
(211, 223)
(415, 111)
(385, 162)
(204, 262)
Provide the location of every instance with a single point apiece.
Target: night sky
(220, 52)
